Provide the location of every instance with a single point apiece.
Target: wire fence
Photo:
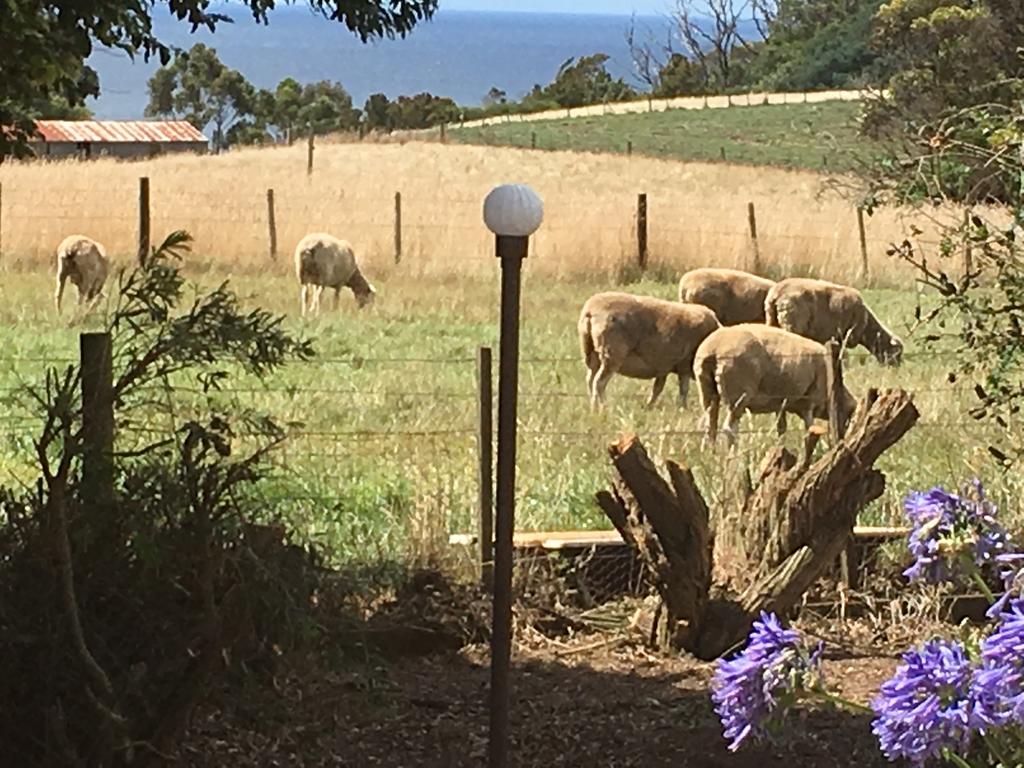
(365, 455)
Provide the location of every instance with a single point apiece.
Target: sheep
(822, 311)
(761, 369)
(642, 338)
(734, 296)
(84, 262)
(324, 261)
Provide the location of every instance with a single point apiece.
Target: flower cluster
(952, 534)
(947, 700)
(925, 708)
(752, 691)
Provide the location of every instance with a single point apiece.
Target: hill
(820, 136)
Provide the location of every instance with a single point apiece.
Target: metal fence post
(485, 452)
(97, 416)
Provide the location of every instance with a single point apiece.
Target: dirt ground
(594, 700)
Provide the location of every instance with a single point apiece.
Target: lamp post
(512, 212)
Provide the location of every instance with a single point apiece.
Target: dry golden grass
(697, 212)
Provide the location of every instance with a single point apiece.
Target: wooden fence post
(834, 371)
(444, 134)
(485, 453)
(271, 224)
(629, 149)
(721, 152)
(968, 253)
(1, 223)
(144, 221)
(398, 227)
(752, 222)
(533, 139)
(864, 270)
(97, 416)
(641, 230)
(309, 153)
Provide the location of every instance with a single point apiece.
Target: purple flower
(949, 529)
(999, 682)
(752, 691)
(925, 707)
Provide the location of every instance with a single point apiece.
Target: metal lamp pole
(512, 212)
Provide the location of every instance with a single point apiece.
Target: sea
(460, 54)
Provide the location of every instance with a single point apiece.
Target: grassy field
(383, 455)
(805, 136)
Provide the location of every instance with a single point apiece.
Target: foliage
(818, 44)
(423, 110)
(679, 77)
(198, 87)
(121, 602)
(45, 44)
(583, 81)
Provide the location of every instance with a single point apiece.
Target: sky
(617, 7)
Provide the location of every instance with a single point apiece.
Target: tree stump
(800, 516)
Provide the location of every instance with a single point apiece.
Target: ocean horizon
(459, 54)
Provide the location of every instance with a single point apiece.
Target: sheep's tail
(708, 382)
(587, 342)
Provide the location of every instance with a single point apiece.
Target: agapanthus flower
(949, 529)
(925, 707)
(998, 685)
(752, 691)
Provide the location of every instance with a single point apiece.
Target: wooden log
(668, 525)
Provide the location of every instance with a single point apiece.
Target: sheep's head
(366, 296)
(891, 353)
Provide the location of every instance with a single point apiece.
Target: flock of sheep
(321, 261)
(754, 344)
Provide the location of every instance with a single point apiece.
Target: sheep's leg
(780, 421)
(604, 375)
(709, 422)
(659, 385)
(732, 426)
(337, 297)
(58, 295)
(684, 388)
(318, 293)
(302, 299)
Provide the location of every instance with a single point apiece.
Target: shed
(116, 138)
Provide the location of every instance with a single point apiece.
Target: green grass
(810, 136)
(383, 457)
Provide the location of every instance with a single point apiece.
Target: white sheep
(324, 261)
(822, 311)
(757, 368)
(84, 262)
(642, 338)
(734, 296)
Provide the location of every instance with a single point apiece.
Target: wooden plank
(554, 540)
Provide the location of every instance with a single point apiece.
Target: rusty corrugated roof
(110, 131)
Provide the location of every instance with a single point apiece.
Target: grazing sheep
(761, 369)
(84, 262)
(822, 311)
(323, 261)
(734, 296)
(642, 338)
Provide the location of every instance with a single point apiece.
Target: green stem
(980, 584)
(955, 759)
(839, 701)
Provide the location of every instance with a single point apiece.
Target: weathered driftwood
(798, 520)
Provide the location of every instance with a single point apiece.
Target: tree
(583, 81)
(326, 106)
(198, 87)
(45, 44)
(679, 77)
(495, 96)
(710, 31)
(818, 44)
(376, 111)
